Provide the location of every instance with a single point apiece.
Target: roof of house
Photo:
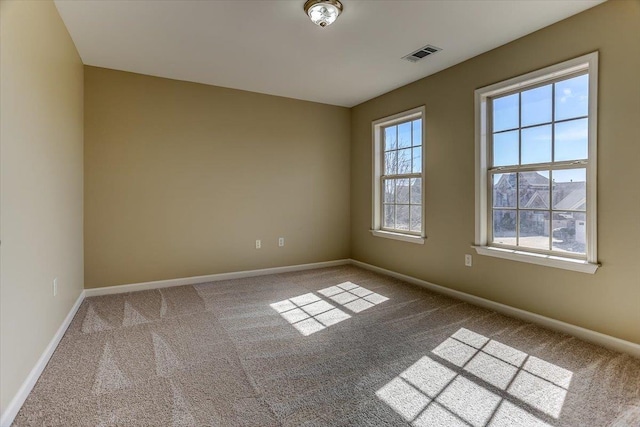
(574, 194)
(575, 200)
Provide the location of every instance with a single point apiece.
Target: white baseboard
(588, 335)
(18, 400)
(119, 289)
(16, 403)
(604, 340)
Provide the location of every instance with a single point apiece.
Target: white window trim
(399, 236)
(590, 265)
(376, 167)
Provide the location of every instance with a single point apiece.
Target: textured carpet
(327, 347)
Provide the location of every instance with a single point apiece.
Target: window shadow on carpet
(478, 382)
(309, 313)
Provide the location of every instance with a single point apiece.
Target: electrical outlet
(281, 241)
(55, 286)
(258, 244)
(468, 260)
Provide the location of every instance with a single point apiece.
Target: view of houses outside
(565, 222)
(545, 131)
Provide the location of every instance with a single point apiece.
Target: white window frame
(376, 222)
(483, 95)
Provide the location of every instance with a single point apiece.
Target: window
(536, 167)
(398, 176)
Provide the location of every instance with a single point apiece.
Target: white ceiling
(271, 46)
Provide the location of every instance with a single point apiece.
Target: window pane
(534, 190)
(570, 189)
(389, 216)
(505, 148)
(538, 141)
(416, 191)
(417, 132)
(504, 227)
(404, 161)
(416, 218)
(534, 229)
(536, 145)
(390, 141)
(402, 191)
(572, 97)
(504, 190)
(417, 160)
(391, 163)
(404, 135)
(569, 232)
(505, 113)
(571, 140)
(399, 174)
(402, 217)
(536, 106)
(389, 190)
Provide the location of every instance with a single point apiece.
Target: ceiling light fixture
(323, 12)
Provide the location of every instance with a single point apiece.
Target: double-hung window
(536, 167)
(398, 176)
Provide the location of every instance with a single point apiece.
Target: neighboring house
(534, 193)
(572, 196)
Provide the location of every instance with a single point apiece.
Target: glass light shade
(324, 13)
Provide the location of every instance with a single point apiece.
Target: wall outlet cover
(468, 260)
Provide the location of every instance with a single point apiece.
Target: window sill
(539, 259)
(399, 236)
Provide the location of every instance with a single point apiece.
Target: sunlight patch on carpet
(429, 393)
(309, 313)
(352, 296)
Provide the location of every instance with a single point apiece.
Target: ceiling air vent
(422, 53)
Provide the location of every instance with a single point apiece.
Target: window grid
(309, 313)
(545, 167)
(353, 297)
(471, 380)
(408, 176)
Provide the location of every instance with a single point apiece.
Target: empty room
(320, 213)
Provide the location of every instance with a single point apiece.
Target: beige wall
(41, 124)
(608, 301)
(182, 178)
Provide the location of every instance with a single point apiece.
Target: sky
(538, 105)
(407, 139)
